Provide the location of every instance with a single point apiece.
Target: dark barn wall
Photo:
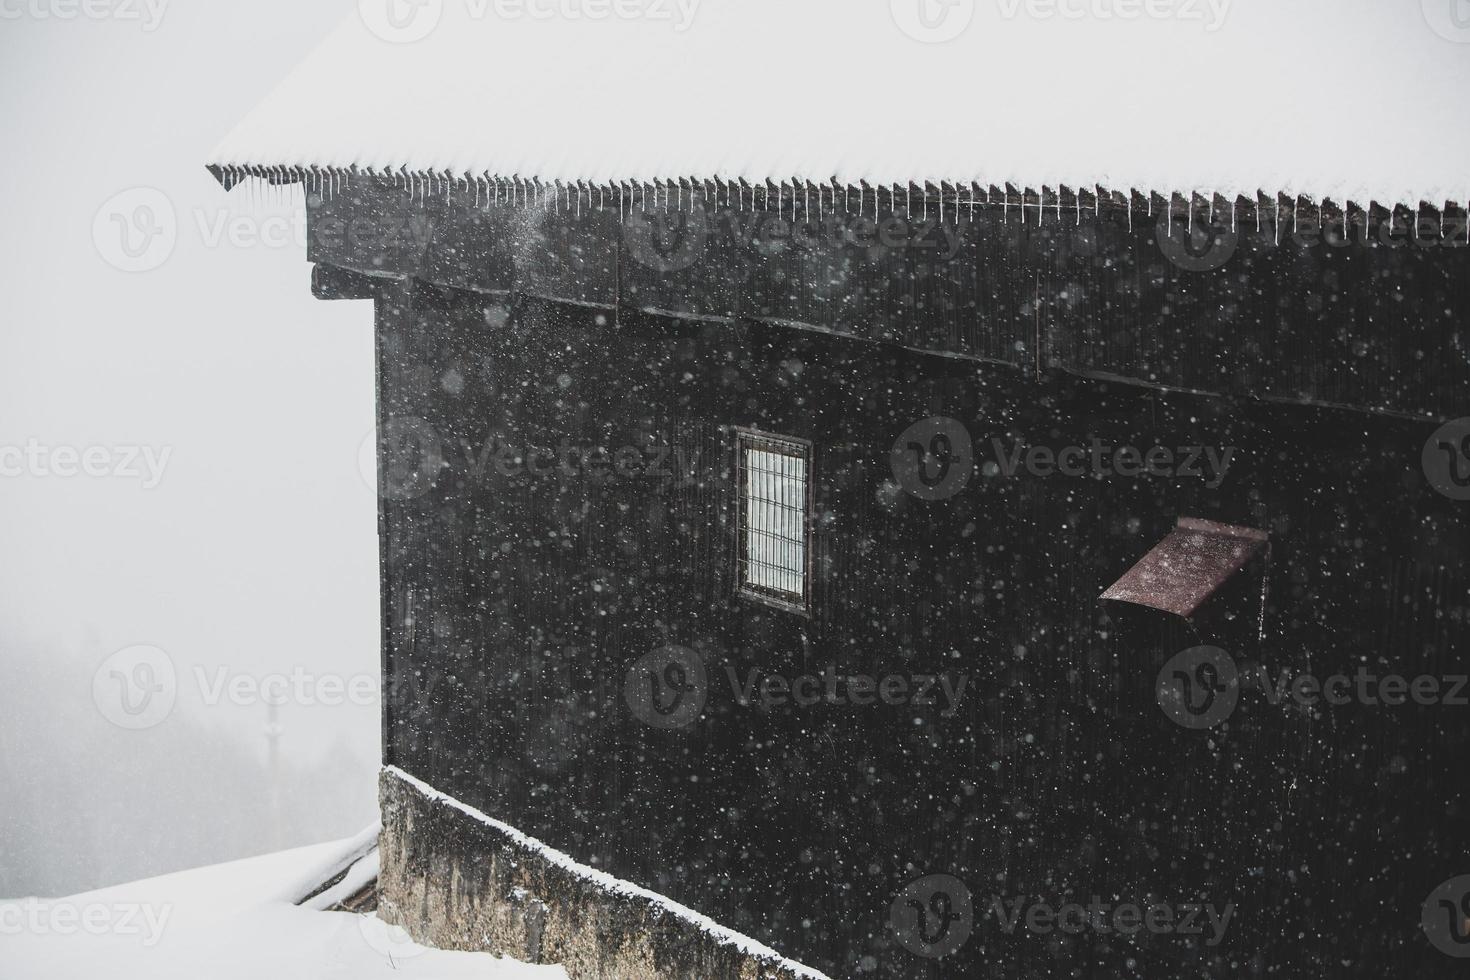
(515, 605)
(1270, 300)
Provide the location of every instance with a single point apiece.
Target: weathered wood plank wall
(519, 602)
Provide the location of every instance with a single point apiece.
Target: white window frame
(773, 530)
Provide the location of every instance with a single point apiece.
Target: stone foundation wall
(454, 879)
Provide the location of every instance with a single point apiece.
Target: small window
(774, 480)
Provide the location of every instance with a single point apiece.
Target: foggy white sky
(257, 551)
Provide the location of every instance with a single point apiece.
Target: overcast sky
(219, 408)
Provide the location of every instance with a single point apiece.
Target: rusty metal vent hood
(1185, 569)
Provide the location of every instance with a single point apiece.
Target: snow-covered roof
(1347, 100)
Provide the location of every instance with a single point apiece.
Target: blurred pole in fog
(273, 751)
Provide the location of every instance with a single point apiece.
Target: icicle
(1277, 203)
(1265, 593)
(1131, 192)
(1059, 205)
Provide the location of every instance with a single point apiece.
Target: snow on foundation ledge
(613, 887)
(1342, 100)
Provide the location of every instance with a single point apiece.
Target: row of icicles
(949, 200)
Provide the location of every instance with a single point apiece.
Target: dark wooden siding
(1297, 312)
(517, 605)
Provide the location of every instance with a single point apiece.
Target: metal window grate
(774, 505)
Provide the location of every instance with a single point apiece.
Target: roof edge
(515, 188)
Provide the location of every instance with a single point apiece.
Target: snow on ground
(234, 921)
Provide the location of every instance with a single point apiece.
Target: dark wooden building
(882, 571)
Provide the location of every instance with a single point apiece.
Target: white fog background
(257, 551)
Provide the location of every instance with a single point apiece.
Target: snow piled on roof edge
(607, 882)
(332, 179)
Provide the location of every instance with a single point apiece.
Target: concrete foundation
(455, 879)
